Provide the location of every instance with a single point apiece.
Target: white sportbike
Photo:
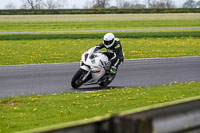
(94, 69)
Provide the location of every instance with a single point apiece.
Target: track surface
(19, 80)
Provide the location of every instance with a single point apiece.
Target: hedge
(98, 11)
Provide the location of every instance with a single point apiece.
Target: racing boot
(113, 71)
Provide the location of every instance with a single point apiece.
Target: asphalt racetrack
(20, 80)
(152, 29)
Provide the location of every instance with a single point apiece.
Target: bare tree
(189, 4)
(61, 4)
(41, 4)
(101, 3)
(10, 6)
(124, 4)
(160, 4)
(33, 4)
(129, 4)
(50, 4)
(149, 2)
(169, 4)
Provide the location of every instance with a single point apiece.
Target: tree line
(125, 4)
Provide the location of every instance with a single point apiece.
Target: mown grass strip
(94, 25)
(23, 113)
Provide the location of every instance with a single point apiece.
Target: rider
(114, 51)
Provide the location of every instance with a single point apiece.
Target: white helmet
(109, 40)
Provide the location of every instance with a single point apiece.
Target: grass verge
(23, 113)
(106, 117)
(94, 25)
(57, 48)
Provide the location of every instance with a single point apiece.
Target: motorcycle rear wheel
(107, 82)
(77, 79)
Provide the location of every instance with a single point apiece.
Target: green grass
(11, 23)
(61, 26)
(22, 113)
(57, 48)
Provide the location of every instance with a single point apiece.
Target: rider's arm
(98, 47)
(117, 51)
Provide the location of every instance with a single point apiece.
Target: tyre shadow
(93, 88)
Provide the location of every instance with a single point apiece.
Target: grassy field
(53, 48)
(93, 22)
(98, 17)
(70, 50)
(102, 25)
(22, 113)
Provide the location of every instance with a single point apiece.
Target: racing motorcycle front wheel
(77, 80)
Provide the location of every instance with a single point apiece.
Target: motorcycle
(94, 69)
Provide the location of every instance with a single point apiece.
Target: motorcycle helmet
(109, 40)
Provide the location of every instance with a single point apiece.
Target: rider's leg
(114, 67)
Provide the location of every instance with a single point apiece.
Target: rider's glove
(113, 70)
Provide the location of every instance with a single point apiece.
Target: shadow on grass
(93, 88)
